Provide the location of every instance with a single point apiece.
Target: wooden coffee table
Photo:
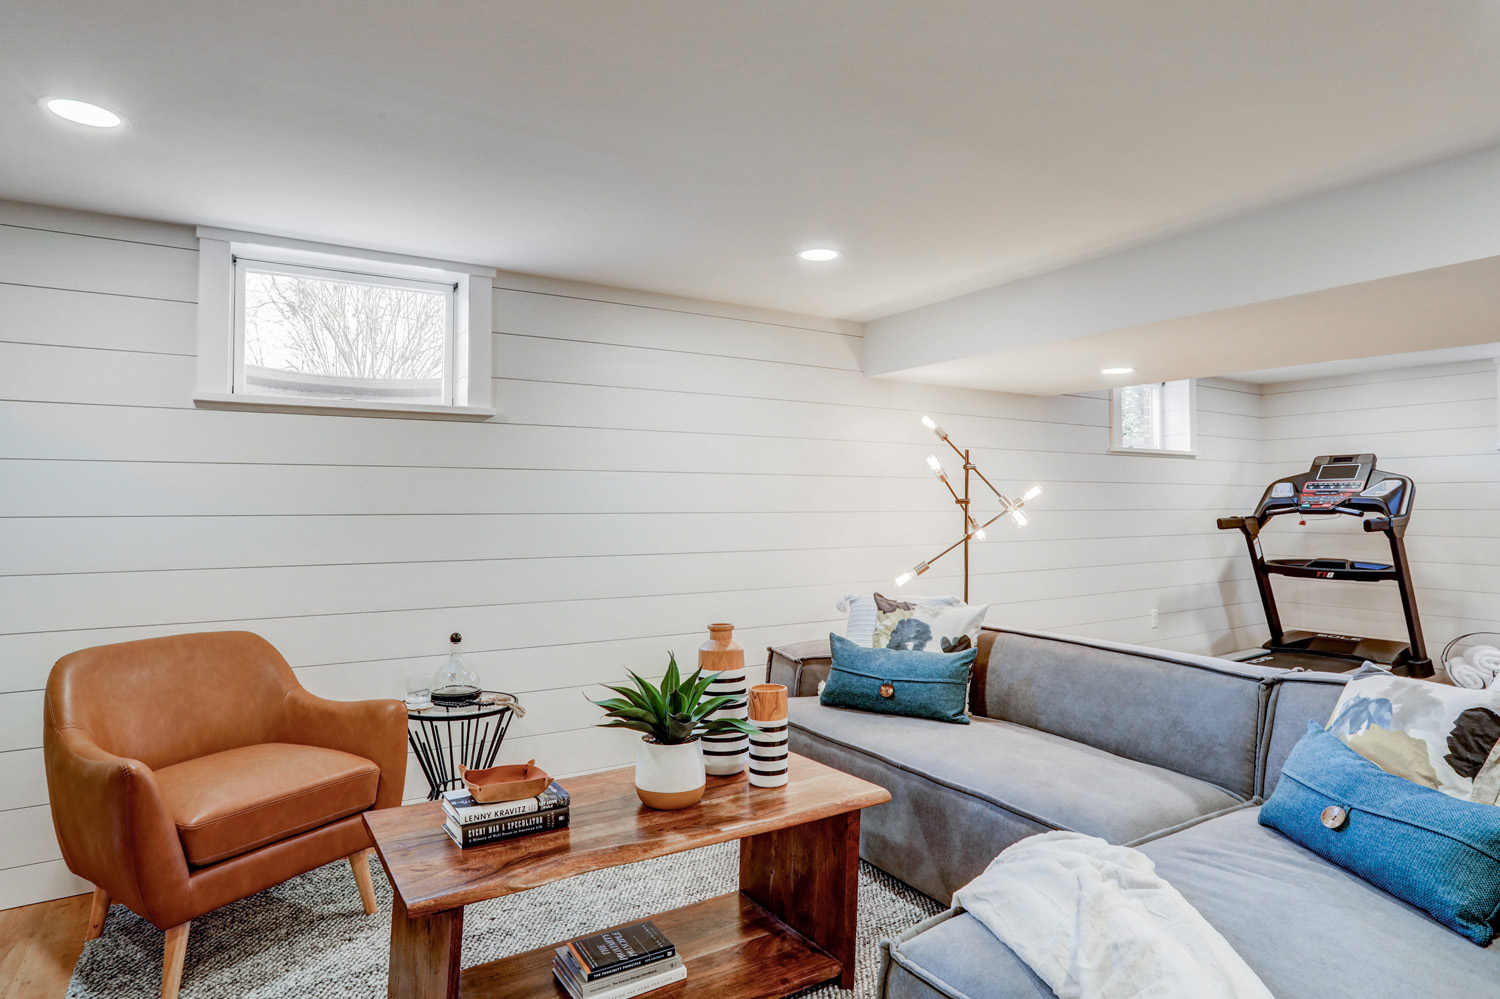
(791, 924)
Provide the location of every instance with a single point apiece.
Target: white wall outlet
(1155, 617)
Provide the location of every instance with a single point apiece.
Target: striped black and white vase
(728, 753)
(768, 751)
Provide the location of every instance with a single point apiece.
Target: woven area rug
(310, 938)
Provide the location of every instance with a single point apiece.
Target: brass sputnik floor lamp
(973, 530)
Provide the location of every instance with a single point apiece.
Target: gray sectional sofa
(1166, 752)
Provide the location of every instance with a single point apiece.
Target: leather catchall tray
(508, 783)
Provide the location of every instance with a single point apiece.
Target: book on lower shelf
(641, 980)
(618, 964)
(478, 833)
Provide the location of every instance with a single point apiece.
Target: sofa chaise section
(1305, 926)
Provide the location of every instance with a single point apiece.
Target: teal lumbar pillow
(1431, 850)
(899, 682)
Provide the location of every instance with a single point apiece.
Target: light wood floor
(39, 944)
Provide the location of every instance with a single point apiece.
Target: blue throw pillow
(1439, 853)
(898, 682)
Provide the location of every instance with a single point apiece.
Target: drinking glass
(419, 689)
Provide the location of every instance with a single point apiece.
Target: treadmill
(1351, 485)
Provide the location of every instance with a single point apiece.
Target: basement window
(305, 327)
(1155, 418)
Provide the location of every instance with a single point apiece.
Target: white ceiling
(692, 147)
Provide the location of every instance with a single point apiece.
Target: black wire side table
(470, 734)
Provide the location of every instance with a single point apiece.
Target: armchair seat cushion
(232, 802)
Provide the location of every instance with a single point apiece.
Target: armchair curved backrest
(166, 700)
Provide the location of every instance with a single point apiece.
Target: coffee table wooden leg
(425, 952)
(808, 877)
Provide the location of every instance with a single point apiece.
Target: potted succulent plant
(671, 716)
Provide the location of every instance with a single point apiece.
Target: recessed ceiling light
(82, 112)
(1117, 371)
(819, 254)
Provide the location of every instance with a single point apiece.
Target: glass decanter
(454, 683)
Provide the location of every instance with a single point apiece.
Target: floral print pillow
(1443, 737)
(925, 628)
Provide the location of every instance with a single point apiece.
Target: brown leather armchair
(188, 772)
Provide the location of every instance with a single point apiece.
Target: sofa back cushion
(1193, 714)
(1296, 699)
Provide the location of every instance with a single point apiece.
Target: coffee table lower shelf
(733, 949)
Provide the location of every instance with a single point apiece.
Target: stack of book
(470, 823)
(618, 964)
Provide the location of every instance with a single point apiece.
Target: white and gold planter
(669, 777)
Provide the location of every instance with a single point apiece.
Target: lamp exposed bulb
(935, 465)
(1031, 494)
(916, 570)
(931, 424)
(1020, 518)
(979, 534)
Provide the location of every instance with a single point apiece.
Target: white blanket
(1095, 921)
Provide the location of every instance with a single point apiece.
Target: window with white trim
(1155, 418)
(293, 325)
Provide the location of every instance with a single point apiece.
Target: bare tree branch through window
(344, 329)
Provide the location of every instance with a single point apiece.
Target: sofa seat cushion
(1058, 783)
(966, 792)
(955, 955)
(1305, 926)
(1309, 927)
(230, 803)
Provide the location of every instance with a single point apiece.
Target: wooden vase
(727, 753)
(768, 747)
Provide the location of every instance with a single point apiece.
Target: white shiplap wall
(661, 464)
(1436, 424)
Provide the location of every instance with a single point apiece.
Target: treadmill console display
(1334, 479)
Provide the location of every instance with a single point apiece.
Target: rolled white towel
(1465, 674)
(1486, 657)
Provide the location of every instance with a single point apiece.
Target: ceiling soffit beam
(1432, 216)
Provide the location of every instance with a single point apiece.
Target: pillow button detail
(886, 690)
(1334, 817)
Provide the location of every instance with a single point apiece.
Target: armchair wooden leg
(172, 959)
(98, 913)
(360, 864)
